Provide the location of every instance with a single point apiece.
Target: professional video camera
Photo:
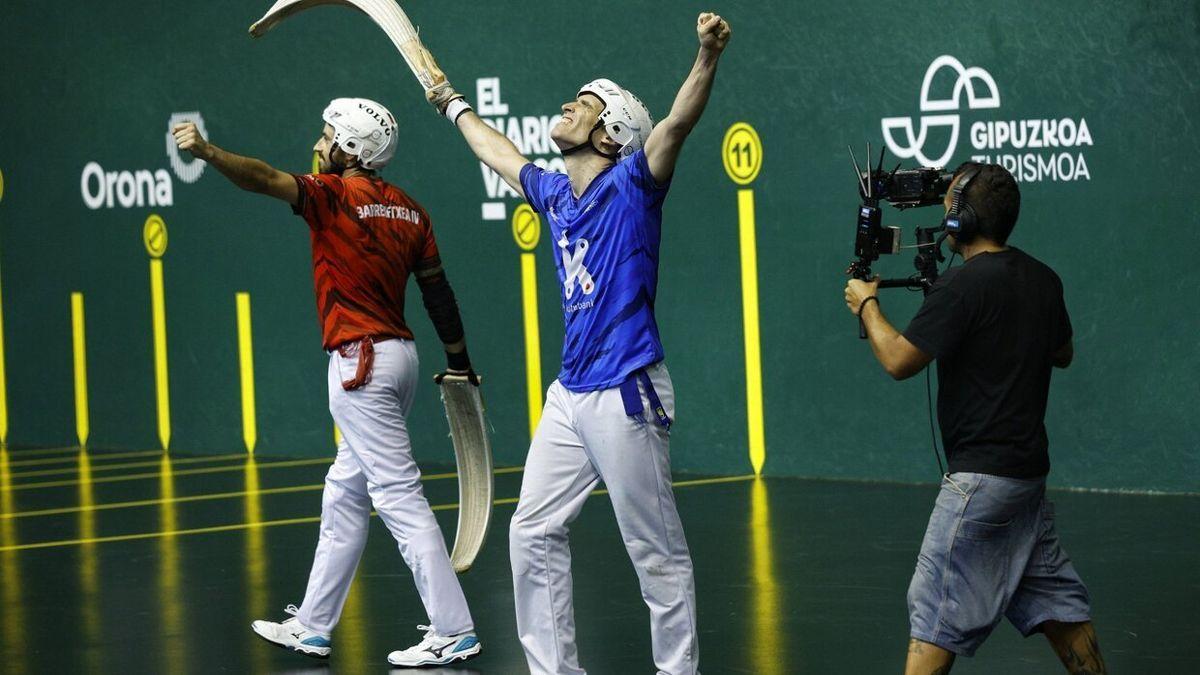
(903, 189)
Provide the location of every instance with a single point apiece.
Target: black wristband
(863, 304)
(458, 360)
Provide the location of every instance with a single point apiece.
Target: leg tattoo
(1077, 647)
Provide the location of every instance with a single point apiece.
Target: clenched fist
(713, 31)
(187, 137)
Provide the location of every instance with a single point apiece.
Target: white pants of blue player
(375, 465)
(582, 439)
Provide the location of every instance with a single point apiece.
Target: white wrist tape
(455, 108)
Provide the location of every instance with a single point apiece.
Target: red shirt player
(367, 236)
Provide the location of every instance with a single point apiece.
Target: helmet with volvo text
(363, 128)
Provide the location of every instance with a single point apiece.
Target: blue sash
(633, 399)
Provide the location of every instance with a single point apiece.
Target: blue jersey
(606, 252)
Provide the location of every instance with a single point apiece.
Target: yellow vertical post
(526, 227)
(246, 366)
(533, 348)
(754, 395)
(79, 343)
(741, 154)
(154, 236)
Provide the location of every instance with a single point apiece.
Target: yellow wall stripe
(533, 345)
(159, 311)
(79, 342)
(246, 366)
(754, 395)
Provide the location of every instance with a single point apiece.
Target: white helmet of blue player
(363, 128)
(625, 118)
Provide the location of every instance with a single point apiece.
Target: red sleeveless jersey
(367, 236)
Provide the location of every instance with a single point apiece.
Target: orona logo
(989, 138)
(142, 187)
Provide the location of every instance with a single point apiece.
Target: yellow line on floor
(209, 497)
(132, 465)
(297, 521)
(93, 456)
(186, 472)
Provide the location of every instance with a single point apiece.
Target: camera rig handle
(929, 254)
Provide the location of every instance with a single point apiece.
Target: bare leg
(1076, 646)
(927, 659)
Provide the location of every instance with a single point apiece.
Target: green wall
(83, 82)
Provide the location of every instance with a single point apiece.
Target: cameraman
(996, 325)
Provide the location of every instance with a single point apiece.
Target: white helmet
(363, 128)
(624, 117)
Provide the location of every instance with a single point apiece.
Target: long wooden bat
(386, 13)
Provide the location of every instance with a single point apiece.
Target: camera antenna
(879, 168)
(870, 178)
(857, 171)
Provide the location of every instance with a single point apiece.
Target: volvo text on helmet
(364, 129)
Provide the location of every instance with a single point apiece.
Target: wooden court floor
(136, 562)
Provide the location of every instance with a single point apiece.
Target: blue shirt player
(608, 414)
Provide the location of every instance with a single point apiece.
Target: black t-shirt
(994, 325)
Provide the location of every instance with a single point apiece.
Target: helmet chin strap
(588, 145)
(338, 167)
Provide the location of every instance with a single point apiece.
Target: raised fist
(187, 137)
(713, 31)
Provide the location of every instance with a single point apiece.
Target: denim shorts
(991, 551)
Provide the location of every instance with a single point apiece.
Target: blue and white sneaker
(291, 634)
(436, 650)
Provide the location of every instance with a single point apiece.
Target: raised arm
(493, 148)
(662, 148)
(247, 173)
(490, 146)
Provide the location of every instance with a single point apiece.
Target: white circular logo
(914, 146)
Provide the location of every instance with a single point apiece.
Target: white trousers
(583, 439)
(375, 465)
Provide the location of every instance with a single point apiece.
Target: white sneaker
(291, 634)
(436, 650)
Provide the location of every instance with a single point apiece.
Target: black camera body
(903, 189)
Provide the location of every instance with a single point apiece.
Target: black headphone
(961, 220)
